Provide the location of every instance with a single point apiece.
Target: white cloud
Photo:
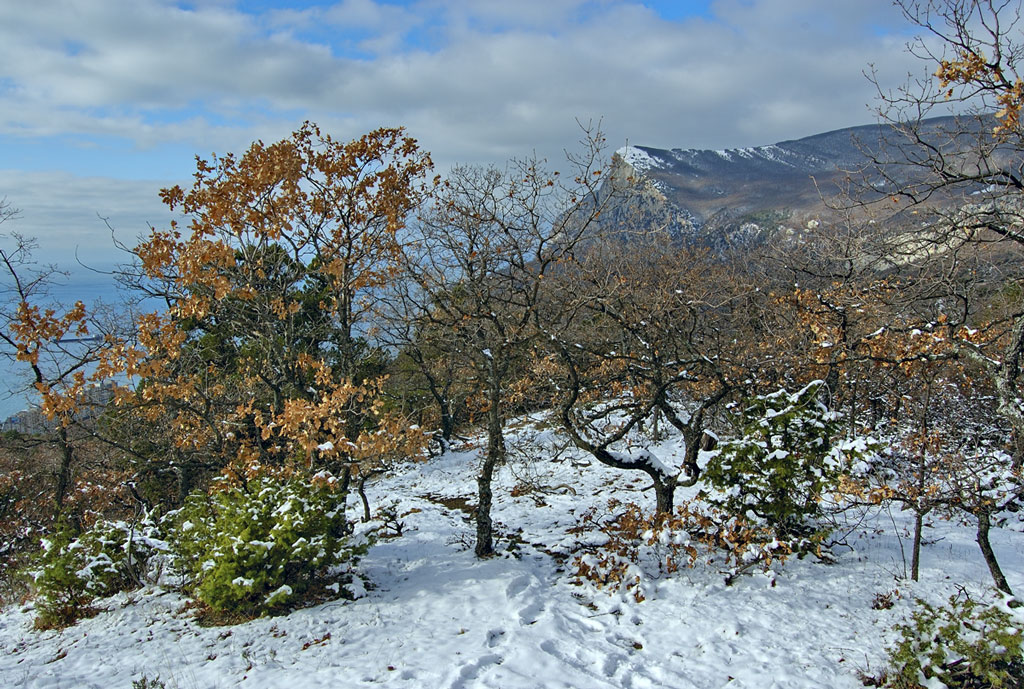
(68, 215)
(118, 63)
(369, 15)
(474, 80)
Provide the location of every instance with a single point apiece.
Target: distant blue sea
(84, 285)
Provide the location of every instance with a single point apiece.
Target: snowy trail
(436, 616)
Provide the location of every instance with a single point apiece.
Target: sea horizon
(92, 286)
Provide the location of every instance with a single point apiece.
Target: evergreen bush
(963, 644)
(784, 463)
(73, 570)
(254, 549)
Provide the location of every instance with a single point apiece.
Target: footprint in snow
(611, 664)
(473, 670)
(586, 666)
(494, 637)
(517, 586)
(530, 612)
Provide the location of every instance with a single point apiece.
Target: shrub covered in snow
(628, 549)
(963, 644)
(110, 556)
(255, 548)
(785, 461)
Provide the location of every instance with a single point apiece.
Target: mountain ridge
(795, 176)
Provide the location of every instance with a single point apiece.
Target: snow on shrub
(256, 548)
(785, 462)
(109, 557)
(963, 644)
(628, 549)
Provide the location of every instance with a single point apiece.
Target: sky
(104, 102)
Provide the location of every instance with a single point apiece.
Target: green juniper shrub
(61, 596)
(256, 548)
(73, 570)
(961, 645)
(784, 462)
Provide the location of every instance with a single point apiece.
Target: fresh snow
(637, 158)
(643, 456)
(433, 615)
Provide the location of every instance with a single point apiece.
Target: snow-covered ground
(436, 616)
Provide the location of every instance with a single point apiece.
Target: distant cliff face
(685, 189)
(786, 176)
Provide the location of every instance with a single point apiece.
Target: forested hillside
(369, 421)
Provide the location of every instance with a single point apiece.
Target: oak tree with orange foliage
(59, 346)
(260, 359)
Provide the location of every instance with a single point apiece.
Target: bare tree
(649, 332)
(955, 231)
(491, 241)
(426, 368)
(60, 346)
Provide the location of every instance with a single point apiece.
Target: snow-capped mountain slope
(789, 178)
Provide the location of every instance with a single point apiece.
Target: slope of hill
(435, 616)
(790, 177)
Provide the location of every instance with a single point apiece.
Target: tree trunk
(915, 555)
(484, 524)
(184, 474)
(344, 528)
(363, 478)
(1018, 450)
(495, 453)
(447, 424)
(697, 438)
(1007, 388)
(440, 396)
(922, 470)
(67, 458)
(984, 524)
(664, 492)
